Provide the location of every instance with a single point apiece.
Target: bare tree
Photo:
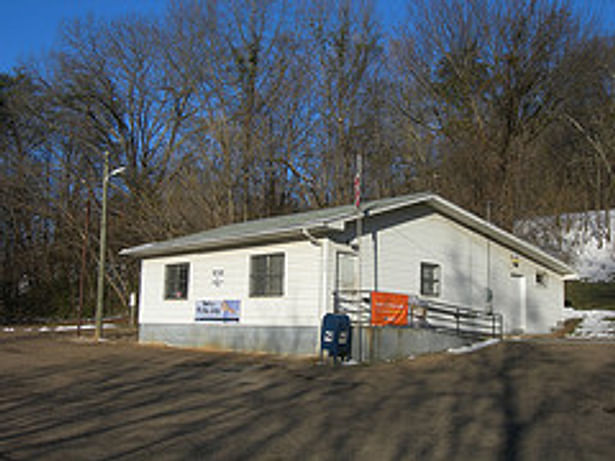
(345, 45)
(494, 79)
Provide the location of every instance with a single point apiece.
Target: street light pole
(103, 245)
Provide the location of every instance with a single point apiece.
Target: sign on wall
(389, 309)
(514, 260)
(225, 310)
(217, 277)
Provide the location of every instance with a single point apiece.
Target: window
(176, 281)
(541, 279)
(267, 275)
(430, 279)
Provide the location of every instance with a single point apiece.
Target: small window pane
(176, 281)
(541, 279)
(267, 275)
(430, 279)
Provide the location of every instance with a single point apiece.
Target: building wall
(299, 306)
(394, 246)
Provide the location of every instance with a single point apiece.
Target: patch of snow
(594, 323)
(473, 347)
(72, 327)
(63, 328)
(83, 327)
(582, 237)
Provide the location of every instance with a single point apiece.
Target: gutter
(313, 240)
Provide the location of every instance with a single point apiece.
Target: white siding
(299, 306)
(393, 246)
(393, 249)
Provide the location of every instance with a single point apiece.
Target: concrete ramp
(391, 343)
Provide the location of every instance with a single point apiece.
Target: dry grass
(568, 328)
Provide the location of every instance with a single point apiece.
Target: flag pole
(359, 228)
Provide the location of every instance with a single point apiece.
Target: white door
(346, 270)
(521, 293)
(348, 300)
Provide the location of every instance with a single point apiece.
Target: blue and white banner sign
(225, 310)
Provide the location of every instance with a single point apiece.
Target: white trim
(324, 278)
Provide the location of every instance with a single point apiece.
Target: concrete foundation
(246, 338)
(390, 342)
(378, 343)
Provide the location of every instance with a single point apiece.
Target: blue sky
(29, 27)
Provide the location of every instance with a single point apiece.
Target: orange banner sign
(389, 309)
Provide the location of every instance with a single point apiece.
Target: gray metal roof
(329, 219)
(253, 231)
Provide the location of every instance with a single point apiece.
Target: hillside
(581, 239)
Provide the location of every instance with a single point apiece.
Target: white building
(266, 284)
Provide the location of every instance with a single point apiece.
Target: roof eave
(168, 247)
(336, 223)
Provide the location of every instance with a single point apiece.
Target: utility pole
(103, 245)
(101, 256)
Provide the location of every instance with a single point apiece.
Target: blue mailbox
(336, 336)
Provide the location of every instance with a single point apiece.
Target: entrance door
(348, 299)
(346, 270)
(521, 294)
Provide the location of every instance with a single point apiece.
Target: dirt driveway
(65, 400)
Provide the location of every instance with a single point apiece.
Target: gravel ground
(67, 399)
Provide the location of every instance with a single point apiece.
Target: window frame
(541, 278)
(264, 285)
(434, 282)
(174, 270)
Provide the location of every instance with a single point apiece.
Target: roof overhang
(177, 246)
(337, 222)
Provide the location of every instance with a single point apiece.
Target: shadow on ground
(67, 400)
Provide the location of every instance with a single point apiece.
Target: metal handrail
(439, 315)
(480, 322)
